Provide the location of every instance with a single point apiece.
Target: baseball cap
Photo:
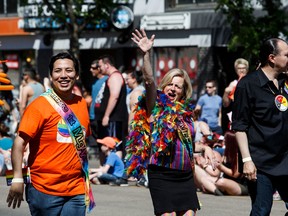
(110, 142)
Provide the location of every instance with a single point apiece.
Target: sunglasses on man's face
(95, 68)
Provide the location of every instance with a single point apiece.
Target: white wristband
(244, 160)
(17, 180)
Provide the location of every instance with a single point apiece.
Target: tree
(75, 16)
(249, 26)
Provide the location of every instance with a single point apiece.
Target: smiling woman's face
(174, 90)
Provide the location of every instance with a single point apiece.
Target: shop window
(8, 7)
(193, 1)
(172, 5)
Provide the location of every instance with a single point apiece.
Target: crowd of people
(154, 135)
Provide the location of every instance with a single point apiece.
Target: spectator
(241, 68)
(31, 90)
(134, 82)
(231, 182)
(113, 170)
(55, 125)
(6, 143)
(98, 84)
(46, 83)
(124, 75)
(202, 129)
(260, 120)
(203, 134)
(111, 110)
(206, 175)
(210, 106)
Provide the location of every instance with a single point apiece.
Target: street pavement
(136, 201)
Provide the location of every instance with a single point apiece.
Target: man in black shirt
(260, 119)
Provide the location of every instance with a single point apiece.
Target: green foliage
(250, 27)
(72, 9)
(74, 19)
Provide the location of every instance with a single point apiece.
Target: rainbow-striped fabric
(166, 141)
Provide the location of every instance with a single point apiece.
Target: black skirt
(172, 190)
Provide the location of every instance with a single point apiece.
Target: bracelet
(17, 180)
(244, 160)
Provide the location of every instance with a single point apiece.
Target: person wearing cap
(113, 169)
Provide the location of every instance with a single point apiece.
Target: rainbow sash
(78, 138)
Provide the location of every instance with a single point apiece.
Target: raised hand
(141, 39)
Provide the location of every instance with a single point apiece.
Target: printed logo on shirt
(63, 135)
(100, 96)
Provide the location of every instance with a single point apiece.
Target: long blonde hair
(176, 72)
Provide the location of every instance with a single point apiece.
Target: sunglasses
(94, 68)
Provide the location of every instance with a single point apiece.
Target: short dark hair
(95, 62)
(214, 82)
(64, 55)
(269, 46)
(31, 71)
(107, 59)
(136, 74)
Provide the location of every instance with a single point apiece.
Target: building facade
(189, 35)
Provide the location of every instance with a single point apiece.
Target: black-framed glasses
(209, 87)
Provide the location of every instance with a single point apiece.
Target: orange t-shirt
(54, 164)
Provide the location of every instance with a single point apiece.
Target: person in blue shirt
(113, 169)
(96, 86)
(6, 143)
(210, 105)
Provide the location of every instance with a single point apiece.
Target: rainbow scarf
(78, 139)
(157, 137)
